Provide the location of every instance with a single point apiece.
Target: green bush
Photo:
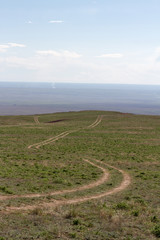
(154, 219)
(122, 206)
(135, 213)
(156, 231)
(76, 222)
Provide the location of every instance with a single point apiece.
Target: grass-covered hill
(88, 175)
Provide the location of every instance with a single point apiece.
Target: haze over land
(32, 98)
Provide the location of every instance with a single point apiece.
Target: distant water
(36, 98)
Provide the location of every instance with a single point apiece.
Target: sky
(80, 41)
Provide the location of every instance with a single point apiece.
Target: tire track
(48, 141)
(100, 181)
(55, 203)
(52, 139)
(124, 184)
(64, 134)
(98, 120)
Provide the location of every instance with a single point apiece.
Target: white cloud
(111, 55)
(63, 54)
(3, 47)
(156, 55)
(56, 21)
(67, 66)
(49, 52)
(16, 45)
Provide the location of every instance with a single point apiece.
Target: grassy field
(125, 141)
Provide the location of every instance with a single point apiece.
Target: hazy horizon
(35, 98)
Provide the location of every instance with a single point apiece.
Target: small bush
(135, 213)
(122, 206)
(156, 231)
(72, 235)
(76, 222)
(37, 211)
(71, 214)
(5, 190)
(154, 219)
(127, 198)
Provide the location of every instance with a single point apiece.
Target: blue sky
(92, 41)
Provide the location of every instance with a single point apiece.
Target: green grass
(129, 142)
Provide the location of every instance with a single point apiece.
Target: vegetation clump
(156, 231)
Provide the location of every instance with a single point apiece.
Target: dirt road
(53, 203)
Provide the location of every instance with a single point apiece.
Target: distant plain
(37, 98)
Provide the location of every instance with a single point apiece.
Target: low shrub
(156, 231)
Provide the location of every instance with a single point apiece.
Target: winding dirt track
(50, 140)
(98, 120)
(100, 181)
(53, 203)
(64, 134)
